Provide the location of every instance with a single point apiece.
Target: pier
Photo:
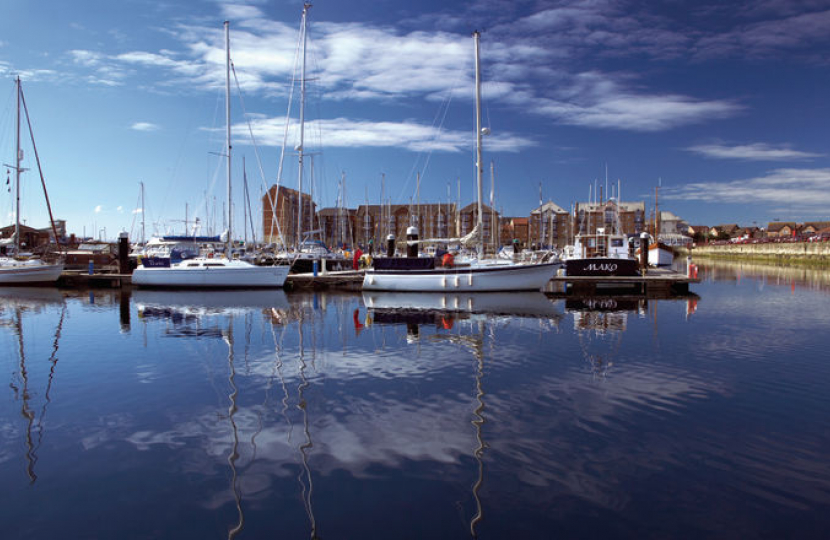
(655, 282)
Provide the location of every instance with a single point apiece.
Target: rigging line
(445, 105)
(255, 145)
(273, 200)
(40, 171)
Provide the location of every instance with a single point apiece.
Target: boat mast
(143, 239)
(229, 242)
(17, 173)
(306, 7)
(479, 167)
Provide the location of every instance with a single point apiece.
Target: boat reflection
(517, 304)
(599, 324)
(189, 313)
(15, 303)
(443, 310)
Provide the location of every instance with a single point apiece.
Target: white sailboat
(419, 274)
(205, 272)
(15, 270)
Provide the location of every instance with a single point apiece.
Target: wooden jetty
(83, 279)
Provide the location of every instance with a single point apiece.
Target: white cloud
(595, 100)
(137, 211)
(751, 152)
(348, 133)
(145, 126)
(120, 209)
(801, 190)
(99, 209)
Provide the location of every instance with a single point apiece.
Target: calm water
(272, 415)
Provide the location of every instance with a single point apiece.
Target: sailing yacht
(15, 270)
(420, 274)
(207, 272)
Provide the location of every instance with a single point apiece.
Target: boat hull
(29, 274)
(507, 277)
(660, 255)
(211, 277)
(602, 266)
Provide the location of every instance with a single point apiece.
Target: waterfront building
(514, 228)
(550, 226)
(375, 221)
(590, 216)
(281, 211)
(338, 225)
(673, 230)
(468, 217)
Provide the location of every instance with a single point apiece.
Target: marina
(254, 413)
(485, 270)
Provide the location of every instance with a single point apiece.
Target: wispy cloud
(145, 126)
(349, 133)
(596, 100)
(798, 190)
(751, 152)
(99, 209)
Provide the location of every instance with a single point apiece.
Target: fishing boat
(14, 269)
(421, 274)
(212, 272)
(604, 252)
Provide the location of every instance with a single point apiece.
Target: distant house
(782, 229)
(731, 230)
(673, 230)
(811, 228)
(699, 232)
(750, 232)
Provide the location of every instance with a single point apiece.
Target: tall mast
(228, 130)
(245, 203)
(306, 7)
(479, 167)
(17, 173)
(143, 217)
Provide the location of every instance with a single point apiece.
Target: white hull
(505, 277)
(660, 256)
(22, 272)
(231, 274)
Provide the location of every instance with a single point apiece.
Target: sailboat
(420, 274)
(207, 272)
(15, 270)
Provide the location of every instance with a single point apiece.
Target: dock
(348, 280)
(656, 281)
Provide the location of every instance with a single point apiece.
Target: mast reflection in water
(265, 414)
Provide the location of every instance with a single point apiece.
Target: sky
(722, 104)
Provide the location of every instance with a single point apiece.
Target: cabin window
(616, 242)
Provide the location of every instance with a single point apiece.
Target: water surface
(265, 414)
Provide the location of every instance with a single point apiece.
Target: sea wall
(782, 252)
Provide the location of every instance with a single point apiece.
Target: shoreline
(806, 254)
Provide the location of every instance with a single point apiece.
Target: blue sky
(724, 104)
